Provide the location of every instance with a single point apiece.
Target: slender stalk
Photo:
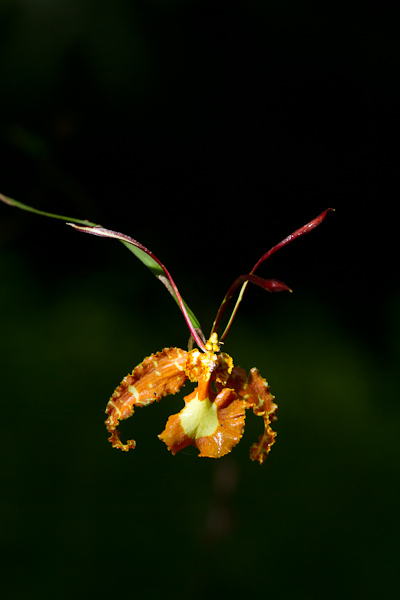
(12, 202)
(293, 236)
(290, 238)
(140, 251)
(271, 285)
(169, 283)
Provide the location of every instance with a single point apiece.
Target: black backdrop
(207, 131)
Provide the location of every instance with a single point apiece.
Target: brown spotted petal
(257, 396)
(157, 376)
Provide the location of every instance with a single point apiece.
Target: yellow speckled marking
(178, 366)
(115, 408)
(133, 390)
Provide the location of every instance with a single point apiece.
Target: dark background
(208, 131)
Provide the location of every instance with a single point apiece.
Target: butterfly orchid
(213, 417)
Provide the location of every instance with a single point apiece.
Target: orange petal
(214, 427)
(157, 376)
(258, 397)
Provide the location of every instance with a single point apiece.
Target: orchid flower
(213, 417)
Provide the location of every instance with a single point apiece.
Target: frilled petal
(257, 396)
(214, 413)
(157, 376)
(213, 426)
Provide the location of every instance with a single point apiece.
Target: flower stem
(290, 238)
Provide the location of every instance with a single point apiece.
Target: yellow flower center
(199, 418)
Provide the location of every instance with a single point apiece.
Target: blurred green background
(208, 131)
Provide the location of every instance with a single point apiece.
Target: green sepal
(142, 255)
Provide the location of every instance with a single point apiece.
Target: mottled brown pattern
(157, 376)
(262, 402)
(227, 392)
